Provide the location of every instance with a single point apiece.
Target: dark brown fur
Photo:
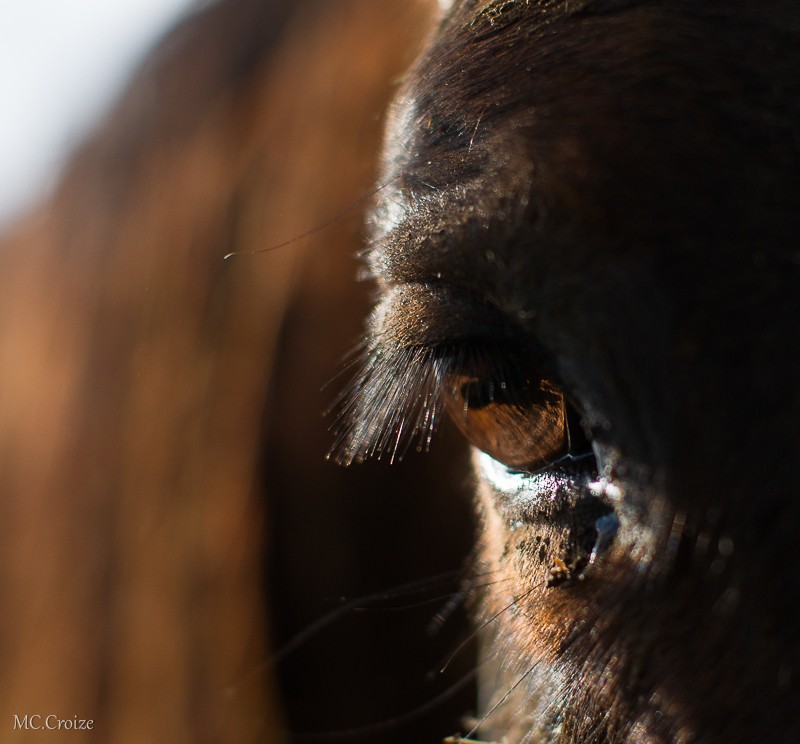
(617, 184)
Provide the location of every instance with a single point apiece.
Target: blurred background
(61, 66)
(170, 523)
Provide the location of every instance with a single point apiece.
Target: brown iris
(519, 422)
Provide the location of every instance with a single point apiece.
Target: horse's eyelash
(394, 400)
(397, 399)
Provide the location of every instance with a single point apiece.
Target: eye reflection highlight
(520, 423)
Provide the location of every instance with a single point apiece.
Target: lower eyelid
(541, 491)
(528, 498)
(499, 476)
(575, 504)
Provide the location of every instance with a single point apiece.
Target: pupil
(480, 393)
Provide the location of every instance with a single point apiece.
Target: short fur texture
(617, 184)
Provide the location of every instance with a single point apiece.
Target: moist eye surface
(519, 422)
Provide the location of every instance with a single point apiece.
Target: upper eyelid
(414, 239)
(420, 314)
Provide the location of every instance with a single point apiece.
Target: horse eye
(519, 422)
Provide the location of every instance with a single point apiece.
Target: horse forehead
(516, 134)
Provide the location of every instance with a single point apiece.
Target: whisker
(396, 721)
(410, 606)
(441, 617)
(500, 702)
(457, 599)
(355, 604)
(485, 624)
(318, 228)
(445, 613)
(329, 618)
(475, 131)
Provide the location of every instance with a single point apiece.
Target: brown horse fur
(606, 195)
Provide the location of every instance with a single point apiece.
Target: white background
(61, 64)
